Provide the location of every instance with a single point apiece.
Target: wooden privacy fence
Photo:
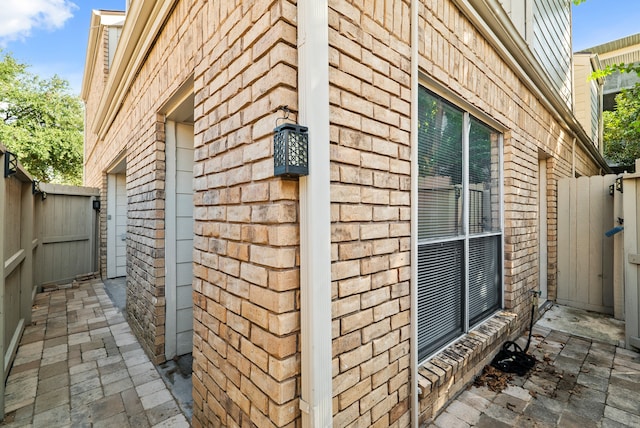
(631, 206)
(585, 253)
(48, 234)
(66, 227)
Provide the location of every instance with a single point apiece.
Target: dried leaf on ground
(493, 378)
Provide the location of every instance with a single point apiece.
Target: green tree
(622, 128)
(41, 122)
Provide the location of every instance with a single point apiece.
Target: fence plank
(631, 199)
(594, 227)
(618, 258)
(608, 221)
(3, 222)
(13, 262)
(572, 292)
(583, 221)
(564, 240)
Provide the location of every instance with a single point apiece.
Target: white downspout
(315, 215)
(573, 159)
(415, 399)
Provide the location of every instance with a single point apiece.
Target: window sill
(442, 376)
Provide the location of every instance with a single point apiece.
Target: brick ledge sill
(464, 353)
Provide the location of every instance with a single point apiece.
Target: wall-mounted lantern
(96, 204)
(10, 164)
(35, 189)
(619, 187)
(290, 148)
(612, 189)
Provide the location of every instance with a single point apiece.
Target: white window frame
(468, 112)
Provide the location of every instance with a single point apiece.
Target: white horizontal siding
(551, 42)
(595, 112)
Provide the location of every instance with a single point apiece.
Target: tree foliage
(622, 128)
(616, 68)
(41, 122)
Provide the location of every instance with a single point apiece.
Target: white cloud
(19, 17)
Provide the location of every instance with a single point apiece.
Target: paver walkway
(577, 382)
(78, 364)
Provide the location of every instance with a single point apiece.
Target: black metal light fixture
(35, 187)
(290, 148)
(611, 189)
(10, 164)
(96, 204)
(619, 187)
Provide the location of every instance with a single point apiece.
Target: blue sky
(51, 35)
(601, 21)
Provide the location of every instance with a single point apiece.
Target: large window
(459, 222)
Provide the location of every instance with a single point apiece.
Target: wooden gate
(66, 228)
(585, 253)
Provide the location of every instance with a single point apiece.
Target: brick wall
(145, 240)
(370, 208)
(243, 60)
(94, 176)
(456, 57)
(246, 290)
(138, 133)
(95, 163)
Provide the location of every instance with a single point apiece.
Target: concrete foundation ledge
(443, 376)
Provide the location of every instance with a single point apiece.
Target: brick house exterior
(305, 294)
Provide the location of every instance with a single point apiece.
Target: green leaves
(621, 134)
(622, 128)
(41, 122)
(620, 68)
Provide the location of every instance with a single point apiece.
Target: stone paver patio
(79, 364)
(577, 382)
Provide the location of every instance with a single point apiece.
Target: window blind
(440, 166)
(484, 277)
(440, 290)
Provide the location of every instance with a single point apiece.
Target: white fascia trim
(596, 65)
(492, 22)
(112, 19)
(315, 216)
(93, 45)
(143, 23)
